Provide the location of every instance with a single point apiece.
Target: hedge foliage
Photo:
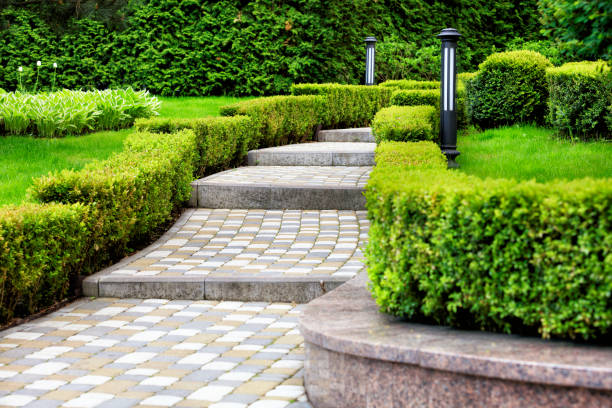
(413, 97)
(510, 87)
(411, 84)
(41, 248)
(492, 254)
(57, 114)
(222, 141)
(406, 123)
(580, 99)
(281, 119)
(202, 47)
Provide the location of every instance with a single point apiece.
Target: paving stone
(128, 376)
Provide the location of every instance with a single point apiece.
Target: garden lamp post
(370, 60)
(448, 81)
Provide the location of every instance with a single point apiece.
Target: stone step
(315, 154)
(363, 135)
(239, 254)
(279, 187)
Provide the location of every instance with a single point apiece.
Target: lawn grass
(529, 152)
(23, 158)
(194, 107)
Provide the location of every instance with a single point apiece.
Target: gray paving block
(346, 135)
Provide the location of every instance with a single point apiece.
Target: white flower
(20, 69)
(38, 63)
(55, 65)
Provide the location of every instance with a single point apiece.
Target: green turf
(23, 158)
(194, 107)
(528, 152)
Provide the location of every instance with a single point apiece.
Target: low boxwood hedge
(222, 141)
(580, 96)
(410, 84)
(405, 123)
(281, 119)
(494, 254)
(41, 248)
(347, 105)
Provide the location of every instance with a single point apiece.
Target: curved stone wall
(358, 357)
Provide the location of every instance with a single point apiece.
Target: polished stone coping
(347, 321)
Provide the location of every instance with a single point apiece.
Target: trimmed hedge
(580, 94)
(41, 248)
(347, 105)
(413, 97)
(133, 192)
(510, 87)
(281, 119)
(405, 123)
(494, 254)
(222, 141)
(411, 84)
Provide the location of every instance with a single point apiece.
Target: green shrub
(422, 155)
(492, 254)
(41, 248)
(235, 47)
(133, 192)
(413, 97)
(405, 123)
(222, 141)
(411, 84)
(580, 93)
(396, 59)
(347, 105)
(65, 112)
(281, 119)
(509, 88)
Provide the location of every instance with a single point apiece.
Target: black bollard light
(448, 81)
(370, 60)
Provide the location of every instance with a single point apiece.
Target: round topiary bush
(510, 88)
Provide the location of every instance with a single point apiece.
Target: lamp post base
(451, 154)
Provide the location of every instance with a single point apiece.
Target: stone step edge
(265, 157)
(268, 196)
(346, 135)
(277, 289)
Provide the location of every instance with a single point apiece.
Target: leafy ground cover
(25, 158)
(529, 152)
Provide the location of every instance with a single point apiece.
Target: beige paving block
(239, 353)
(186, 385)
(15, 367)
(74, 354)
(294, 381)
(114, 387)
(134, 395)
(193, 404)
(92, 363)
(120, 349)
(158, 365)
(255, 361)
(173, 373)
(108, 372)
(203, 338)
(10, 385)
(282, 371)
(39, 344)
(62, 395)
(290, 339)
(255, 387)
